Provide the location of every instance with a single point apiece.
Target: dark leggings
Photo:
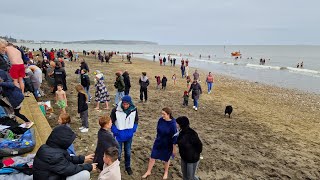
(21, 116)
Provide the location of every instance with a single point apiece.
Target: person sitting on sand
(13, 95)
(105, 140)
(17, 70)
(53, 161)
(61, 99)
(164, 145)
(111, 167)
(64, 119)
(124, 124)
(102, 95)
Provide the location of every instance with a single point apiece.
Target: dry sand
(273, 132)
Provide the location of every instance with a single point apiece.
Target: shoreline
(273, 132)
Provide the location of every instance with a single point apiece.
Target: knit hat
(99, 76)
(127, 99)
(183, 122)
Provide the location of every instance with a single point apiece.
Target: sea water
(279, 69)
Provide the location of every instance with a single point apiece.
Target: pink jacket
(111, 172)
(210, 79)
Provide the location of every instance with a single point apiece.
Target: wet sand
(273, 132)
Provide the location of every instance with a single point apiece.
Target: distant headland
(101, 41)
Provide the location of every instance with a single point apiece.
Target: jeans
(189, 170)
(182, 72)
(127, 152)
(209, 86)
(119, 96)
(126, 91)
(87, 89)
(143, 91)
(82, 175)
(84, 118)
(195, 102)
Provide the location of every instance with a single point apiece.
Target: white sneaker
(80, 128)
(84, 130)
(196, 109)
(193, 107)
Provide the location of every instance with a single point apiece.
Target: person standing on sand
(144, 83)
(17, 70)
(301, 64)
(196, 91)
(59, 75)
(124, 124)
(105, 140)
(210, 81)
(83, 108)
(154, 58)
(127, 83)
(164, 82)
(164, 61)
(174, 61)
(183, 69)
(102, 95)
(120, 86)
(196, 76)
(190, 147)
(164, 145)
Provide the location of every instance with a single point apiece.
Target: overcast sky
(165, 21)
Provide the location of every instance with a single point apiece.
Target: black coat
(164, 81)
(85, 80)
(105, 140)
(84, 66)
(53, 162)
(190, 146)
(126, 80)
(60, 78)
(196, 90)
(82, 103)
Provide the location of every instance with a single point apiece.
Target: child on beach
(105, 140)
(174, 77)
(111, 167)
(158, 81)
(164, 82)
(188, 81)
(64, 119)
(17, 71)
(102, 95)
(83, 108)
(61, 98)
(185, 98)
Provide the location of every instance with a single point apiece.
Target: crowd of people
(57, 158)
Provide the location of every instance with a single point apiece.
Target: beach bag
(22, 145)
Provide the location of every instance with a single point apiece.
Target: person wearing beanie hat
(124, 124)
(53, 161)
(190, 147)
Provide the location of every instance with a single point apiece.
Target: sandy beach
(273, 132)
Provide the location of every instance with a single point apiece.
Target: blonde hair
(80, 89)
(65, 118)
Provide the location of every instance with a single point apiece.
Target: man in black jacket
(59, 75)
(53, 162)
(190, 147)
(126, 79)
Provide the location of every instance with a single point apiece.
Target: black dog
(228, 110)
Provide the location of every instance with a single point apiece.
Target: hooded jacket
(53, 162)
(126, 80)
(190, 145)
(119, 84)
(10, 91)
(144, 82)
(124, 124)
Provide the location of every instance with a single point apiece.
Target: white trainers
(196, 109)
(193, 107)
(84, 130)
(80, 128)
